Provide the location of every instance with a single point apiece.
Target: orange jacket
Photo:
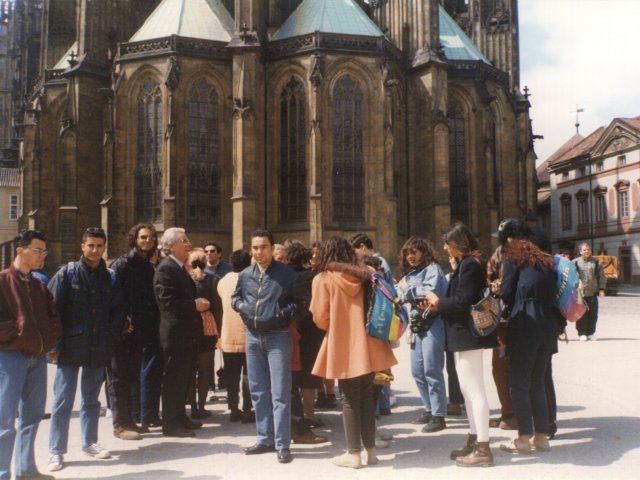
(337, 304)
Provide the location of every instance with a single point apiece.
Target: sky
(578, 52)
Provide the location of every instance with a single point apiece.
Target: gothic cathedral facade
(311, 118)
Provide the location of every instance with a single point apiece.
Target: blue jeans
(427, 368)
(23, 389)
(269, 369)
(64, 393)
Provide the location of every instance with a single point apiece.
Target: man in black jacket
(90, 304)
(265, 300)
(137, 360)
(180, 330)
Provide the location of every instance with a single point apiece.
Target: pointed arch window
(203, 197)
(458, 181)
(348, 158)
(148, 174)
(287, 7)
(293, 153)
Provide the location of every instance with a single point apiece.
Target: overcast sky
(580, 52)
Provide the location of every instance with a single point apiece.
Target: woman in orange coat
(347, 353)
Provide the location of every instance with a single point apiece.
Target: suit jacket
(465, 289)
(175, 293)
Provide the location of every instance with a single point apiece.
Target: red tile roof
(579, 148)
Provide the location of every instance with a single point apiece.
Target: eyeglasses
(145, 237)
(184, 240)
(38, 251)
(91, 231)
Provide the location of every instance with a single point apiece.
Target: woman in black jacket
(466, 287)
(528, 292)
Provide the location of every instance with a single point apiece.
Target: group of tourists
(290, 322)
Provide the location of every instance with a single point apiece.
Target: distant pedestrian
(29, 328)
(593, 286)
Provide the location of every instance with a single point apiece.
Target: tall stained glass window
(293, 153)
(459, 184)
(348, 158)
(203, 197)
(148, 173)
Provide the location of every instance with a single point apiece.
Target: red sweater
(29, 322)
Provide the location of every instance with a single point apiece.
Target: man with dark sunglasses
(134, 376)
(215, 265)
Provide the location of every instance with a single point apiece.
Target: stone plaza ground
(597, 385)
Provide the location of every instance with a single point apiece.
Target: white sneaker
(96, 451)
(592, 337)
(583, 338)
(55, 463)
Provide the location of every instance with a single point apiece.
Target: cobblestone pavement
(597, 385)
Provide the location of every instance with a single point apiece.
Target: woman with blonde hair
(206, 286)
(347, 353)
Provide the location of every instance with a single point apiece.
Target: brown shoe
(454, 409)
(480, 457)
(126, 434)
(309, 438)
(467, 449)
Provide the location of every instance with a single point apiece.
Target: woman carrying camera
(423, 275)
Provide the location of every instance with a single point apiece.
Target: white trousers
(470, 368)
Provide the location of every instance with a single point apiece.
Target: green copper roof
(204, 19)
(328, 16)
(457, 46)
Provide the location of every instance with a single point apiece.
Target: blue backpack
(386, 318)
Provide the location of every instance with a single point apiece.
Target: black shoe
(235, 415)
(331, 401)
(248, 417)
(139, 428)
(284, 456)
(152, 423)
(435, 425)
(258, 448)
(200, 414)
(422, 419)
(321, 402)
(186, 423)
(178, 432)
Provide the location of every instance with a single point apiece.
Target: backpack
(568, 300)
(386, 317)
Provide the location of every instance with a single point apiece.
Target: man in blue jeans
(29, 328)
(266, 303)
(92, 313)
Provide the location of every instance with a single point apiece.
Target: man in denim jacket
(264, 298)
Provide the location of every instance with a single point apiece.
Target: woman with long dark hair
(528, 292)
(465, 289)
(422, 274)
(347, 353)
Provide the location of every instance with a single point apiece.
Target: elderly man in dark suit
(180, 329)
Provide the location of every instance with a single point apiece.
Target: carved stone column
(316, 78)
(248, 137)
(170, 174)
